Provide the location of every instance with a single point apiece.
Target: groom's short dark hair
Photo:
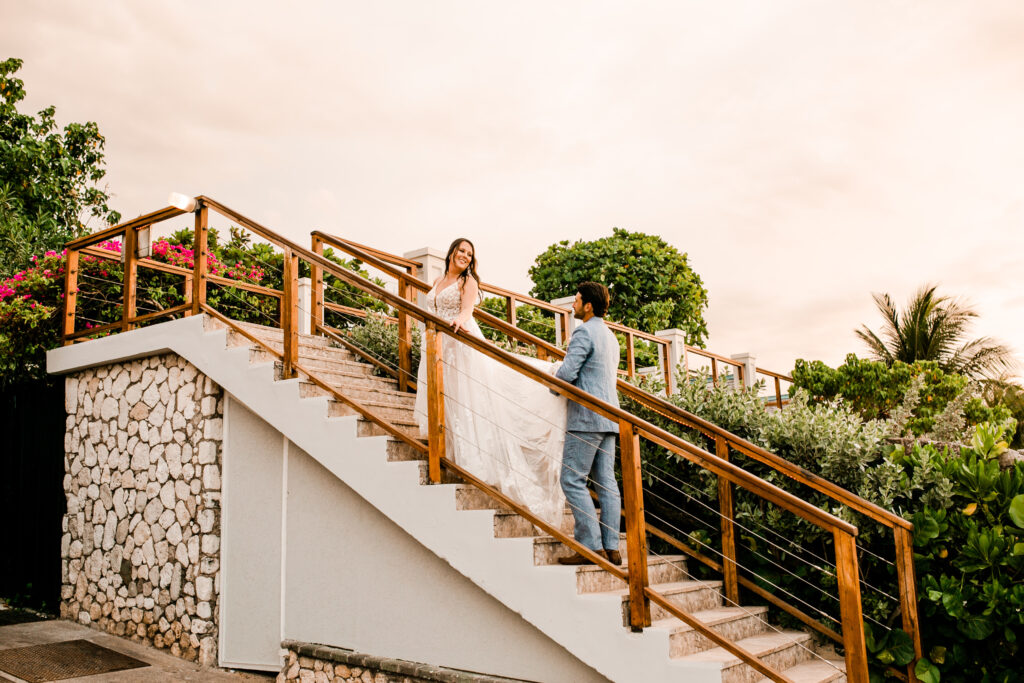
(595, 294)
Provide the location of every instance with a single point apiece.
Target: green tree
(652, 285)
(934, 327)
(48, 177)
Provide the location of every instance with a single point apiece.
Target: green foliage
(528, 318)
(32, 299)
(379, 337)
(878, 391)
(48, 177)
(969, 555)
(652, 285)
(969, 540)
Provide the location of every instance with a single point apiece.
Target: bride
(503, 427)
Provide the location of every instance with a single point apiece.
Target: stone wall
(310, 663)
(141, 545)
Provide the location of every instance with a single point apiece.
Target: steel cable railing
(465, 437)
(634, 429)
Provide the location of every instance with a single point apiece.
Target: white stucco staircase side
(588, 626)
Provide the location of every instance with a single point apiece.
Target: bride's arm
(470, 294)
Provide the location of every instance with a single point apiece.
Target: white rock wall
(141, 544)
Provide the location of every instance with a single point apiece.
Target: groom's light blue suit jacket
(591, 361)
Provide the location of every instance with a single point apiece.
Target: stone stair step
(334, 371)
(508, 524)
(593, 579)
(408, 427)
(735, 623)
(269, 333)
(399, 451)
(447, 476)
(687, 594)
(313, 346)
(327, 360)
(355, 380)
(398, 415)
(469, 497)
(383, 397)
(816, 670)
(310, 352)
(547, 549)
(780, 650)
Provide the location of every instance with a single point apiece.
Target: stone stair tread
(651, 561)
(394, 399)
(760, 645)
(815, 670)
(275, 332)
(709, 617)
(672, 587)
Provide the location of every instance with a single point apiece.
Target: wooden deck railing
(632, 428)
(562, 316)
(725, 443)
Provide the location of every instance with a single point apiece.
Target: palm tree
(932, 328)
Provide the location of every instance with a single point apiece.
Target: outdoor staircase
(786, 650)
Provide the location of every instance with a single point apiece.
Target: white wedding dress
(502, 426)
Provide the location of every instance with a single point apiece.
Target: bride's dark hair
(470, 269)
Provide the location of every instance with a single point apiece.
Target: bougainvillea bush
(32, 300)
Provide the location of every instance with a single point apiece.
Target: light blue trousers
(593, 454)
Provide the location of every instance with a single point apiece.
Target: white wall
(351, 577)
(251, 519)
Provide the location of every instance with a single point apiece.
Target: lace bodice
(445, 304)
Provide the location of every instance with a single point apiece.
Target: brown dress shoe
(614, 557)
(576, 559)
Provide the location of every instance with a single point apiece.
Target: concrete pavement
(162, 666)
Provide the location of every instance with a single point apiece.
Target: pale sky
(803, 154)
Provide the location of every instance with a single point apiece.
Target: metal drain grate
(67, 659)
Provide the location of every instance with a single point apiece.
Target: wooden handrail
(113, 231)
(633, 428)
(902, 528)
(735, 474)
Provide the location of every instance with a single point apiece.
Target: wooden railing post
(405, 381)
(630, 355)
(290, 313)
(908, 592)
(850, 607)
(317, 277)
(200, 251)
(636, 527)
(510, 309)
(435, 401)
(714, 372)
(70, 294)
(725, 504)
(129, 246)
(778, 393)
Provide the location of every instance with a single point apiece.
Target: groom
(590, 363)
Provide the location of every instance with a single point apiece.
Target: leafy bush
(877, 391)
(969, 546)
(379, 338)
(651, 282)
(968, 520)
(31, 301)
(50, 179)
